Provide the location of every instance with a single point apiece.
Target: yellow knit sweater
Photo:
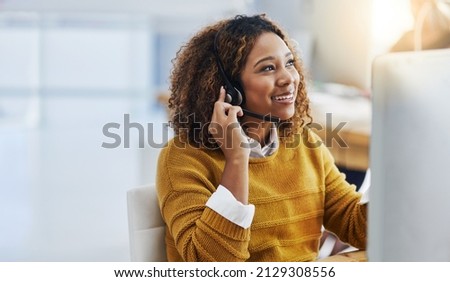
(294, 191)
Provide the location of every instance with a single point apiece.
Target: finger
(222, 94)
(235, 111)
(221, 108)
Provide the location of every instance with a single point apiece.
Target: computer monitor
(409, 210)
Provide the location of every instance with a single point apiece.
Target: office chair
(146, 227)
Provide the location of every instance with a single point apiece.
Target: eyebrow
(269, 58)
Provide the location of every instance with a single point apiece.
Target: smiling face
(269, 78)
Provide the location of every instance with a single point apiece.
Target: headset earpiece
(228, 98)
(238, 97)
(234, 97)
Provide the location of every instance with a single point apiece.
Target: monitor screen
(409, 210)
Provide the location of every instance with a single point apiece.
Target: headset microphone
(262, 117)
(233, 95)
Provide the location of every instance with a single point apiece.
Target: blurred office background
(70, 67)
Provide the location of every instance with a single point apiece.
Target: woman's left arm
(344, 215)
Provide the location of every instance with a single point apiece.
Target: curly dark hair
(195, 79)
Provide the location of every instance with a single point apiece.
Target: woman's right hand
(227, 131)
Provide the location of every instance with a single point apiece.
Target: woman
(234, 185)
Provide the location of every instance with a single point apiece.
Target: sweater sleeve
(185, 182)
(344, 215)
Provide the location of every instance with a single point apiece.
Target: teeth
(283, 97)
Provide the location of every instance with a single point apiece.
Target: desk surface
(354, 115)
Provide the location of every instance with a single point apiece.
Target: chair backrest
(146, 227)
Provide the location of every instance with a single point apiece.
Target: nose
(286, 76)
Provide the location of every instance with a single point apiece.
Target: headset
(234, 96)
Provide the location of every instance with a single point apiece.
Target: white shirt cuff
(224, 203)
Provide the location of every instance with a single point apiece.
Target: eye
(290, 63)
(268, 68)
